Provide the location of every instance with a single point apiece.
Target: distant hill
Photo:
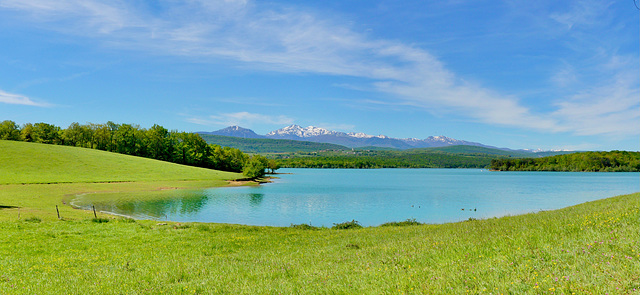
(234, 131)
(459, 156)
(470, 150)
(265, 145)
(380, 158)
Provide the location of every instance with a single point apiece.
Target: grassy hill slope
(24, 162)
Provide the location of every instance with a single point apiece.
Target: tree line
(614, 161)
(156, 143)
(382, 159)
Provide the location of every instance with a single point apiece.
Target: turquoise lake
(322, 197)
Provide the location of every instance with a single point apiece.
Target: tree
(46, 133)
(9, 130)
(273, 166)
(102, 136)
(195, 151)
(72, 135)
(26, 134)
(159, 145)
(233, 160)
(254, 168)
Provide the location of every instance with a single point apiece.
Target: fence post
(58, 211)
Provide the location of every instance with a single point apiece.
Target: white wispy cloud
(610, 108)
(267, 37)
(244, 119)
(11, 98)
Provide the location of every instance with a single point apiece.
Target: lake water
(322, 197)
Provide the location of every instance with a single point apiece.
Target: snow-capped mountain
(317, 134)
(352, 140)
(297, 131)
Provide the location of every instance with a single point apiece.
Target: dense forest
(383, 159)
(268, 145)
(156, 143)
(614, 161)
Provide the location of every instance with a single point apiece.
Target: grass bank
(35, 178)
(590, 248)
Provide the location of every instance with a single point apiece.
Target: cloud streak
(17, 99)
(289, 39)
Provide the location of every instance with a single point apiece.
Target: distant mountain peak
(235, 131)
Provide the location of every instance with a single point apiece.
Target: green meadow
(591, 248)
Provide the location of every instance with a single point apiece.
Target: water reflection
(256, 199)
(373, 197)
(155, 206)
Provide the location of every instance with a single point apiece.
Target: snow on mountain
(352, 139)
(298, 131)
(359, 135)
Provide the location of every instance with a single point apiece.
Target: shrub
(411, 221)
(347, 225)
(100, 220)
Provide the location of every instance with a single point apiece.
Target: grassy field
(590, 248)
(24, 162)
(34, 178)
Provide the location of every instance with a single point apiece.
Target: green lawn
(591, 248)
(26, 163)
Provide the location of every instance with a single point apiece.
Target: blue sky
(517, 74)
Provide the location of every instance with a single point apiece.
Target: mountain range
(351, 140)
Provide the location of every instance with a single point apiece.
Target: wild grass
(590, 248)
(586, 249)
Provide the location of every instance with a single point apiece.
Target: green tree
(102, 135)
(26, 134)
(72, 135)
(129, 140)
(255, 167)
(46, 133)
(159, 143)
(273, 166)
(9, 130)
(233, 160)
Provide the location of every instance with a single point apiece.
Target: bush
(411, 221)
(347, 225)
(100, 220)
